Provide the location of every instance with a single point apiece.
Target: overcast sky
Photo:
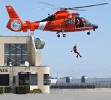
(95, 48)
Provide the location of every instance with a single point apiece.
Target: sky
(95, 48)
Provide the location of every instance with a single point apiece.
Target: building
(97, 82)
(20, 63)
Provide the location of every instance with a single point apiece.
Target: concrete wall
(35, 55)
(45, 70)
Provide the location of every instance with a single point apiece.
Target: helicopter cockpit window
(69, 21)
(49, 18)
(85, 22)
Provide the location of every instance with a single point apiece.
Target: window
(14, 79)
(67, 80)
(26, 78)
(69, 21)
(46, 79)
(49, 18)
(4, 79)
(23, 78)
(33, 79)
(15, 53)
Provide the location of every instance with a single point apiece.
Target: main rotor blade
(90, 5)
(46, 3)
(72, 8)
(77, 9)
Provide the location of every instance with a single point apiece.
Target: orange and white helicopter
(60, 22)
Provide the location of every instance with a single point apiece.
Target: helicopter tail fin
(11, 12)
(14, 23)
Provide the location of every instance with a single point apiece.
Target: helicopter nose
(95, 26)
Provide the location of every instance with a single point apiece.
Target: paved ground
(63, 94)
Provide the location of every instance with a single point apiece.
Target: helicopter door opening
(78, 22)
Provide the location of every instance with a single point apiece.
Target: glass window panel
(6, 48)
(46, 76)
(69, 21)
(18, 48)
(6, 59)
(24, 58)
(17, 53)
(24, 49)
(46, 82)
(24, 46)
(28, 79)
(4, 79)
(12, 59)
(18, 59)
(24, 79)
(46, 79)
(12, 49)
(33, 79)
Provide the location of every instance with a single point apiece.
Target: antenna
(26, 63)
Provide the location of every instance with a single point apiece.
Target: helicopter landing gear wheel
(88, 33)
(64, 35)
(58, 35)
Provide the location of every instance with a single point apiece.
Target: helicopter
(61, 21)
